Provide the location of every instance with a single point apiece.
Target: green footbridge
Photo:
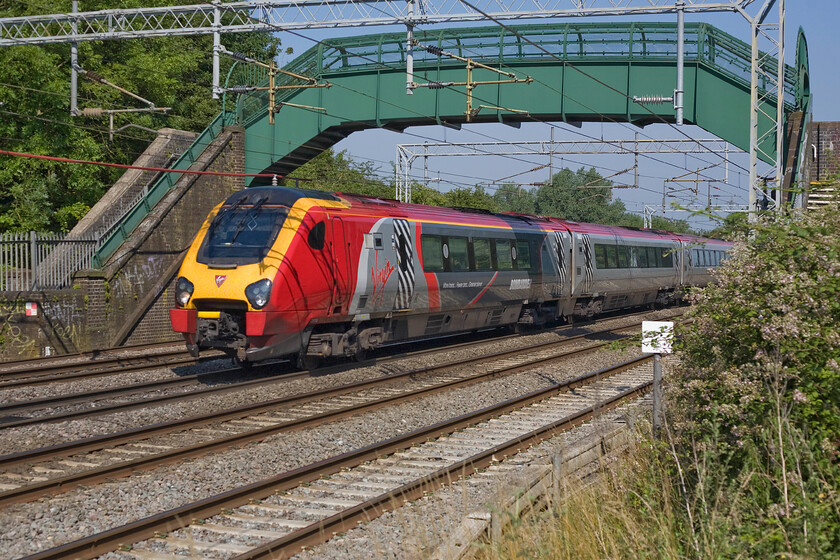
(581, 72)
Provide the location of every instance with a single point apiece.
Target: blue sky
(819, 19)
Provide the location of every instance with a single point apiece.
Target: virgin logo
(220, 279)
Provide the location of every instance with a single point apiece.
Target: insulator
(438, 85)
(434, 50)
(94, 77)
(240, 89)
(239, 56)
(653, 99)
(93, 111)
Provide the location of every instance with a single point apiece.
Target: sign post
(657, 339)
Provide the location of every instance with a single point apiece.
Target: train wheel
(308, 362)
(360, 355)
(244, 364)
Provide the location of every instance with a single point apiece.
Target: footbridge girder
(581, 71)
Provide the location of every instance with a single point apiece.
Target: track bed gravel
(417, 529)
(28, 437)
(81, 512)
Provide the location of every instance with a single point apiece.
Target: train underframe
(355, 340)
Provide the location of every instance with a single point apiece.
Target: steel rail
(180, 517)
(125, 468)
(144, 432)
(190, 395)
(75, 398)
(184, 380)
(321, 531)
(92, 355)
(29, 378)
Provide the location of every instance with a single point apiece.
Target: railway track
(89, 365)
(276, 517)
(46, 371)
(183, 388)
(31, 474)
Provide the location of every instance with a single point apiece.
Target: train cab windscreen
(242, 233)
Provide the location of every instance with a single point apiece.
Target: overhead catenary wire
(433, 120)
(536, 120)
(604, 117)
(138, 167)
(427, 116)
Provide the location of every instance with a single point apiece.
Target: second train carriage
(278, 271)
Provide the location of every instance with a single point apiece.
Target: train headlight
(183, 291)
(258, 293)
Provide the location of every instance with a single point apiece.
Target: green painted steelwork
(582, 72)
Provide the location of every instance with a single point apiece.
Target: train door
(405, 263)
(583, 264)
(555, 257)
(341, 266)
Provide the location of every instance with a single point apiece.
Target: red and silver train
(280, 271)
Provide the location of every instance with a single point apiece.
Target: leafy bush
(757, 401)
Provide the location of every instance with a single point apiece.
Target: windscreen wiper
(224, 214)
(250, 214)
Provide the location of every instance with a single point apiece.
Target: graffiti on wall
(138, 276)
(14, 340)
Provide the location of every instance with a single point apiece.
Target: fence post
(33, 259)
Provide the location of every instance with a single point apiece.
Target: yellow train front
(256, 273)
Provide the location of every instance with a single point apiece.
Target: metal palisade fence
(43, 261)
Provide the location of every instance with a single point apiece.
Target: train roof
(465, 216)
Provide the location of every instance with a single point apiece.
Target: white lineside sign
(657, 337)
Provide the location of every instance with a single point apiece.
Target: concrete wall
(126, 302)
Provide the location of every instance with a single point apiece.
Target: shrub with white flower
(758, 389)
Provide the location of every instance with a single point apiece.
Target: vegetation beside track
(749, 462)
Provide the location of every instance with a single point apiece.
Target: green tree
(475, 197)
(331, 171)
(421, 194)
(34, 118)
(514, 198)
(733, 226)
(582, 196)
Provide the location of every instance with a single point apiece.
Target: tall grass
(681, 500)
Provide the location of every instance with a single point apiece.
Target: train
(280, 272)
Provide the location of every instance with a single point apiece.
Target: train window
(242, 233)
(481, 254)
(523, 255)
(654, 257)
(600, 256)
(641, 257)
(373, 241)
(458, 256)
(667, 257)
(612, 258)
(504, 254)
(432, 253)
(316, 236)
(623, 257)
